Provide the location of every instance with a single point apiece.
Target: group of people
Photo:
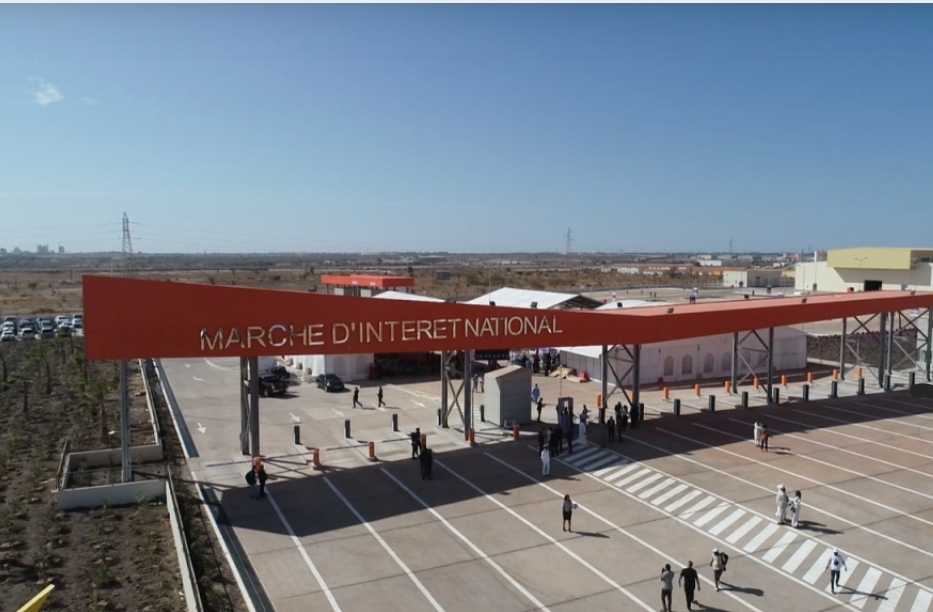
(761, 435)
(785, 504)
(424, 455)
(357, 402)
(690, 580)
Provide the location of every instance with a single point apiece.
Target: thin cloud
(89, 101)
(47, 93)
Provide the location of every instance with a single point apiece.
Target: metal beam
(604, 376)
(884, 320)
(244, 406)
(254, 406)
(929, 343)
(445, 382)
(636, 382)
(618, 379)
(842, 350)
(851, 346)
(888, 360)
(125, 430)
(735, 363)
(770, 364)
(467, 394)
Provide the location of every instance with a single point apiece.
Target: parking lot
(361, 534)
(41, 328)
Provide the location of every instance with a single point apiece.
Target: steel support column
(889, 362)
(884, 320)
(445, 382)
(929, 342)
(254, 406)
(842, 350)
(761, 360)
(467, 393)
(770, 364)
(125, 430)
(604, 376)
(636, 382)
(851, 347)
(735, 363)
(618, 379)
(244, 406)
(451, 398)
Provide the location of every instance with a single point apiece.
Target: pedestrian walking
(542, 439)
(552, 441)
(546, 462)
(781, 503)
(568, 509)
(690, 581)
(426, 458)
(559, 435)
(251, 481)
(611, 429)
(667, 587)
(540, 407)
(718, 563)
(835, 566)
(795, 507)
(763, 436)
(356, 398)
(261, 476)
(535, 395)
(379, 396)
(415, 443)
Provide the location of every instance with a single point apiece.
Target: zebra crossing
(863, 587)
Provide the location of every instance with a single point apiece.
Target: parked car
(61, 319)
(64, 330)
(329, 382)
(7, 336)
(27, 333)
(271, 384)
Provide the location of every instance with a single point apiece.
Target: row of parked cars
(30, 328)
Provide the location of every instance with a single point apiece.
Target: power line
(569, 237)
(128, 263)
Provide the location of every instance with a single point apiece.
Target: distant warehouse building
(755, 277)
(867, 269)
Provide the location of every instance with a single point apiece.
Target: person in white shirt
(781, 502)
(545, 462)
(835, 566)
(795, 508)
(667, 586)
(757, 432)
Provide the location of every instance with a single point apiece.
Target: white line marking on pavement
(878, 429)
(622, 472)
(683, 500)
(892, 596)
(337, 411)
(841, 469)
(780, 547)
(550, 539)
(581, 455)
(698, 506)
(214, 365)
(865, 587)
(759, 539)
(294, 418)
(904, 412)
(711, 515)
(618, 529)
(742, 531)
(922, 602)
(598, 463)
(724, 523)
(418, 403)
(644, 483)
(602, 472)
(769, 490)
(202, 428)
(663, 498)
(388, 549)
(663, 484)
(303, 553)
(799, 556)
(479, 553)
(198, 379)
(644, 472)
(819, 567)
(187, 365)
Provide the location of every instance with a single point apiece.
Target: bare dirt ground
(107, 559)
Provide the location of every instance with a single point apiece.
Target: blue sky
(466, 127)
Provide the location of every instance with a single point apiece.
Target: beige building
(867, 268)
(755, 277)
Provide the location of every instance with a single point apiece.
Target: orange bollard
(515, 433)
(471, 437)
(372, 450)
(316, 458)
(858, 372)
(835, 374)
(696, 390)
(783, 380)
(599, 401)
(810, 377)
(667, 393)
(728, 386)
(756, 383)
(424, 440)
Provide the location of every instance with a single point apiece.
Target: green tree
(40, 356)
(24, 381)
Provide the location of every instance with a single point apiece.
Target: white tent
(527, 298)
(694, 358)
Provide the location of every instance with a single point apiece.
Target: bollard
(777, 395)
(834, 389)
(346, 429)
(835, 374)
(602, 415)
(471, 436)
(676, 407)
(424, 440)
(641, 413)
(372, 451)
(887, 382)
(482, 413)
(911, 379)
(861, 386)
(810, 377)
(298, 435)
(696, 390)
(516, 432)
(667, 394)
(599, 401)
(756, 383)
(858, 372)
(806, 393)
(712, 403)
(394, 421)
(316, 458)
(728, 387)
(784, 380)
(440, 419)
(744, 399)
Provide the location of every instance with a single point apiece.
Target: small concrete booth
(508, 396)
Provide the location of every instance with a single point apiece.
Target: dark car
(272, 385)
(329, 382)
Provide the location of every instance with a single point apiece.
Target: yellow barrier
(36, 603)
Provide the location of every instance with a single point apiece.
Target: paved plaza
(485, 533)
